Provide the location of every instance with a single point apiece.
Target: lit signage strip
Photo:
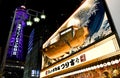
(15, 49)
(30, 43)
(99, 50)
(72, 62)
(66, 31)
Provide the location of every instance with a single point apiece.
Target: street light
(29, 22)
(36, 19)
(43, 16)
(35, 14)
(34, 69)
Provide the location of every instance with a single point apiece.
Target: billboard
(87, 25)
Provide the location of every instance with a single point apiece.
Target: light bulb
(36, 19)
(43, 16)
(29, 23)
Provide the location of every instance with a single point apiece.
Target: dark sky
(57, 12)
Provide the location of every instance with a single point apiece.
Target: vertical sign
(15, 46)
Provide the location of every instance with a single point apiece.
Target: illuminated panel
(35, 73)
(103, 48)
(92, 18)
(15, 47)
(30, 43)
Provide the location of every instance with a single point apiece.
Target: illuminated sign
(35, 73)
(66, 31)
(68, 64)
(15, 47)
(100, 49)
(90, 15)
(30, 43)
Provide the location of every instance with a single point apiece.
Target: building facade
(86, 45)
(34, 54)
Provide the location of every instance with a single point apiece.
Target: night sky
(56, 11)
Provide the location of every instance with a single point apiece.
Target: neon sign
(15, 47)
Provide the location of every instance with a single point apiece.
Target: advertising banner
(89, 24)
(101, 50)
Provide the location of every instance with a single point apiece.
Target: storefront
(85, 46)
(108, 69)
(100, 56)
(101, 65)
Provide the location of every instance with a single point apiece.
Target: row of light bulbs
(12, 66)
(113, 62)
(109, 63)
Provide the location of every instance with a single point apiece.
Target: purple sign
(15, 47)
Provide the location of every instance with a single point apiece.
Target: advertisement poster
(92, 18)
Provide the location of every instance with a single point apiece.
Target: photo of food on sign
(88, 24)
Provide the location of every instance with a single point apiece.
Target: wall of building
(113, 10)
(113, 7)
